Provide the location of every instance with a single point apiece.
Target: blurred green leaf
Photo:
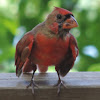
(94, 67)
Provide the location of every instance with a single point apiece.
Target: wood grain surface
(79, 86)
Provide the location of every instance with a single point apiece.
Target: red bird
(49, 43)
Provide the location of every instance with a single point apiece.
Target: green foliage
(20, 16)
(94, 67)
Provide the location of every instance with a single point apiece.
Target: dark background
(19, 16)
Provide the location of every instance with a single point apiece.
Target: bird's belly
(48, 57)
(49, 51)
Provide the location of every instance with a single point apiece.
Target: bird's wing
(74, 47)
(68, 62)
(23, 50)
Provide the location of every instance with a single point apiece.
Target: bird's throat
(62, 33)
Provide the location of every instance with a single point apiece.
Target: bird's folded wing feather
(70, 57)
(74, 47)
(23, 50)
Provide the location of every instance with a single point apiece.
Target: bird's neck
(62, 33)
(54, 31)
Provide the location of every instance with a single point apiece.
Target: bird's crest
(62, 11)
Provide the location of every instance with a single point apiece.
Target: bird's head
(60, 19)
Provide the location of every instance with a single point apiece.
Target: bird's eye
(59, 16)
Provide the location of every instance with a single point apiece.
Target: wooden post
(79, 86)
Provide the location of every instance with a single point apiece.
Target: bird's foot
(59, 84)
(33, 84)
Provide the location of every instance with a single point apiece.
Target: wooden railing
(79, 86)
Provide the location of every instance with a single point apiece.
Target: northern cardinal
(49, 43)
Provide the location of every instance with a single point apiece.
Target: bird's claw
(59, 84)
(33, 84)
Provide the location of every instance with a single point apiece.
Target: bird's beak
(70, 23)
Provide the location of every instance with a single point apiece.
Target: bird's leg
(60, 83)
(32, 83)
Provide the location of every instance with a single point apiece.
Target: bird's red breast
(49, 51)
